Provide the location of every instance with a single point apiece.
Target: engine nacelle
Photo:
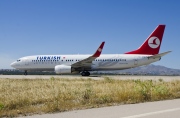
(63, 69)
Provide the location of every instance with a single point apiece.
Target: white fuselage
(104, 62)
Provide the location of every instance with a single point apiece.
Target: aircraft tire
(84, 73)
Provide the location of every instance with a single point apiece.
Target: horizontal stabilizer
(159, 55)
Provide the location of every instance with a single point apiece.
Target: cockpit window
(18, 60)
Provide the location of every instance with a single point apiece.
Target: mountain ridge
(151, 70)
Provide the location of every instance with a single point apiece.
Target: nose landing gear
(25, 72)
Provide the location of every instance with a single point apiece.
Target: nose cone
(13, 64)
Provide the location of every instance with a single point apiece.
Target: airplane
(146, 54)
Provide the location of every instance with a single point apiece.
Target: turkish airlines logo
(99, 49)
(154, 42)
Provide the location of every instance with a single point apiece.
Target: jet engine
(62, 69)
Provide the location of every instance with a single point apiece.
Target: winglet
(99, 50)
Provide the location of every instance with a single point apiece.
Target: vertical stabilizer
(152, 44)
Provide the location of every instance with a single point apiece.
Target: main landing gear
(85, 73)
(25, 72)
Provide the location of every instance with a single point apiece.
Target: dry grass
(36, 96)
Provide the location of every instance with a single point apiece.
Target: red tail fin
(152, 44)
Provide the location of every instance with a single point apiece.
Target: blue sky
(32, 27)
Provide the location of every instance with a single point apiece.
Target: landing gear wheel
(85, 73)
(88, 73)
(25, 72)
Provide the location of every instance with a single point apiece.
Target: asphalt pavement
(158, 109)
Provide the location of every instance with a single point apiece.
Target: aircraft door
(26, 62)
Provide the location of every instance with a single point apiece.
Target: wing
(86, 63)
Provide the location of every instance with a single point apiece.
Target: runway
(96, 77)
(159, 109)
